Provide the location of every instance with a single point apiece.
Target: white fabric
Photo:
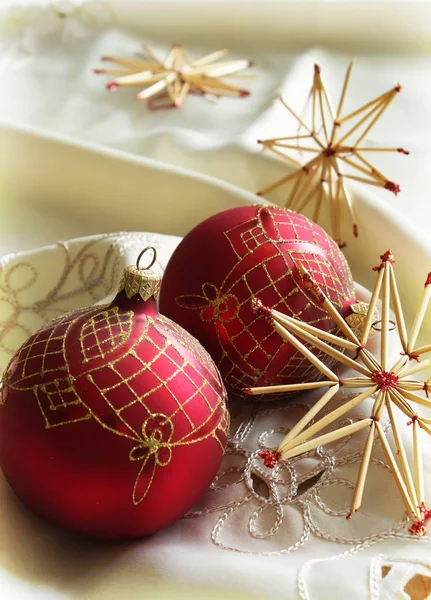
(46, 68)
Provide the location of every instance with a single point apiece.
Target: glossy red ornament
(247, 252)
(113, 419)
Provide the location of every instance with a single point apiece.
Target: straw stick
(131, 63)
(417, 368)
(363, 108)
(378, 405)
(379, 108)
(423, 350)
(415, 398)
(396, 473)
(370, 172)
(372, 307)
(285, 157)
(376, 118)
(344, 92)
(417, 323)
(148, 52)
(327, 305)
(140, 78)
(327, 438)
(364, 180)
(398, 310)
(368, 359)
(386, 297)
(221, 69)
(357, 382)
(402, 403)
(296, 147)
(280, 181)
(332, 416)
(363, 470)
(419, 471)
(321, 345)
(299, 426)
(286, 139)
(315, 331)
(372, 169)
(294, 387)
(405, 467)
(411, 384)
(301, 122)
(322, 110)
(208, 58)
(305, 351)
(156, 88)
(309, 181)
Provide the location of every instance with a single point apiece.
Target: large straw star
(330, 139)
(171, 79)
(393, 387)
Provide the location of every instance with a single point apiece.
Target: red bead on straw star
(394, 387)
(334, 144)
(171, 79)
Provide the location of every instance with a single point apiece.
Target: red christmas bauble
(113, 420)
(247, 252)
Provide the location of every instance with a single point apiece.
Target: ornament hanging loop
(152, 261)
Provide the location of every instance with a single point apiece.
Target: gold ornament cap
(357, 318)
(141, 280)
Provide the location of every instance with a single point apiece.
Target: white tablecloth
(46, 69)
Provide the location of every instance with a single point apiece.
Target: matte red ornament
(113, 420)
(254, 252)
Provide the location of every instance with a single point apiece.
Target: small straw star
(393, 387)
(172, 79)
(331, 142)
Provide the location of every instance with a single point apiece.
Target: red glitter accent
(348, 517)
(244, 93)
(329, 152)
(112, 86)
(311, 285)
(385, 380)
(398, 88)
(317, 69)
(270, 458)
(414, 418)
(386, 257)
(258, 306)
(392, 187)
(403, 151)
(411, 356)
(418, 528)
(428, 280)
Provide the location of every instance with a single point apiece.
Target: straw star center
(385, 380)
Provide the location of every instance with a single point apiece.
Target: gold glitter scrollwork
(155, 448)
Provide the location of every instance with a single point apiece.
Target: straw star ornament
(393, 387)
(172, 79)
(335, 143)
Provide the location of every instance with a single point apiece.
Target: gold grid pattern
(104, 333)
(163, 374)
(261, 237)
